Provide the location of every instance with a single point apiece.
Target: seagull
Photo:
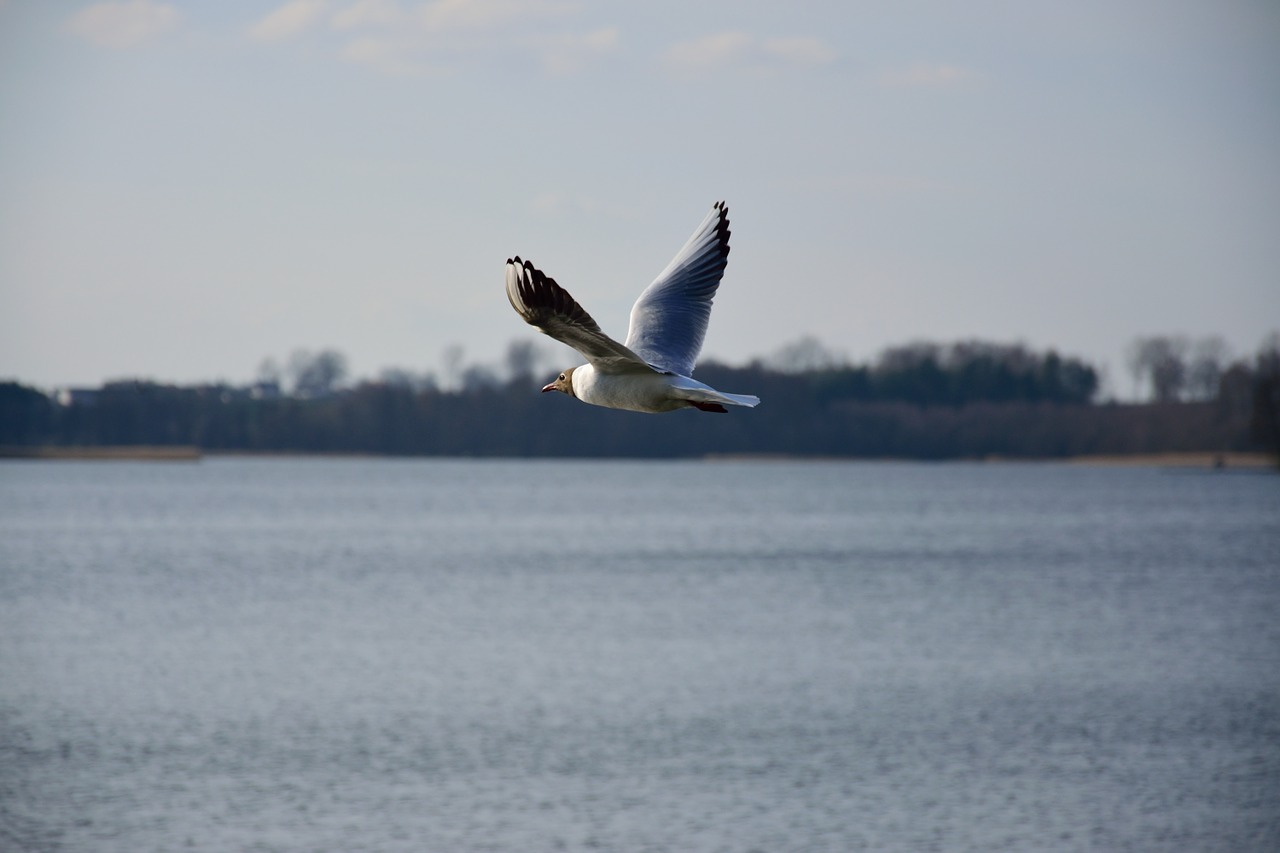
(651, 372)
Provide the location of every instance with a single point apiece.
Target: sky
(187, 189)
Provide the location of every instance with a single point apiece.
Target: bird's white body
(647, 391)
(650, 371)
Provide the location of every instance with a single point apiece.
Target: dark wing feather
(547, 306)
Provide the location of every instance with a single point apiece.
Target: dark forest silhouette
(928, 401)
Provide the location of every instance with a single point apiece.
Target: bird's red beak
(548, 387)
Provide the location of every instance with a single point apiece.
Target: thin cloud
(389, 56)
(440, 36)
(451, 15)
(124, 25)
(570, 53)
(368, 13)
(440, 16)
(709, 52)
(380, 54)
(927, 75)
(734, 49)
(799, 50)
(289, 20)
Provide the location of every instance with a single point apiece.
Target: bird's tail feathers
(748, 400)
(710, 395)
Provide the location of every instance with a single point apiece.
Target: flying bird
(652, 371)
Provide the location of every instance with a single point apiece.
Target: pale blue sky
(187, 188)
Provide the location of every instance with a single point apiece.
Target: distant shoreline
(1182, 460)
(1195, 459)
(187, 453)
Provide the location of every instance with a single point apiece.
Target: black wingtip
(723, 226)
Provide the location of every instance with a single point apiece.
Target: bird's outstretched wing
(669, 320)
(549, 307)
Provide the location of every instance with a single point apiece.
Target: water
(378, 655)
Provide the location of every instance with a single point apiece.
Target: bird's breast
(637, 392)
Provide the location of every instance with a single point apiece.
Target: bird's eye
(561, 377)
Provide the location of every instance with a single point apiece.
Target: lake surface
(392, 655)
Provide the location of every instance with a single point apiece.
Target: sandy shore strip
(1183, 460)
(146, 453)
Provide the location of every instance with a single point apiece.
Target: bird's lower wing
(548, 307)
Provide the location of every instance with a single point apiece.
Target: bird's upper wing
(548, 306)
(669, 320)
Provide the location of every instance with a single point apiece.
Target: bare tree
(269, 372)
(1161, 361)
(522, 360)
(1209, 357)
(452, 362)
(802, 356)
(909, 356)
(316, 374)
(1265, 422)
(270, 378)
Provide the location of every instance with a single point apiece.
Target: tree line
(922, 400)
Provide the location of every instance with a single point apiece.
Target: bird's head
(563, 383)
